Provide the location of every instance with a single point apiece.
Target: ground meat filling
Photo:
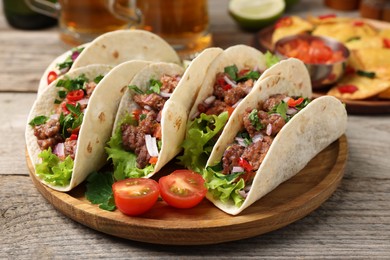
(261, 125)
(48, 134)
(148, 120)
(227, 93)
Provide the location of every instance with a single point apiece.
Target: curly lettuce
(224, 187)
(125, 162)
(200, 140)
(53, 170)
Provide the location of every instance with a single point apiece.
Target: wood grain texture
(205, 224)
(354, 223)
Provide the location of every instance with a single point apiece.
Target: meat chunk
(273, 101)
(48, 134)
(154, 101)
(169, 83)
(70, 148)
(233, 95)
(256, 152)
(230, 157)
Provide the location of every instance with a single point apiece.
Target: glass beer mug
(182, 23)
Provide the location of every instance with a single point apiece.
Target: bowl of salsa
(325, 58)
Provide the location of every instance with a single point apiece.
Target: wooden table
(353, 223)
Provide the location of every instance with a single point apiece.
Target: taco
(71, 121)
(151, 120)
(257, 149)
(113, 48)
(229, 79)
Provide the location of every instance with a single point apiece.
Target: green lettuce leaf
(270, 59)
(200, 140)
(125, 164)
(99, 190)
(223, 187)
(54, 171)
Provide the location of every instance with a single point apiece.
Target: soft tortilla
(115, 47)
(98, 118)
(312, 129)
(175, 112)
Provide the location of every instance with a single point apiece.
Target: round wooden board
(263, 42)
(206, 224)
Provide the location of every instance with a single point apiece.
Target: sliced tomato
(51, 77)
(75, 95)
(245, 164)
(73, 137)
(182, 189)
(358, 23)
(135, 196)
(230, 110)
(153, 160)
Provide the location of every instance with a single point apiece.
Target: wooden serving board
(205, 224)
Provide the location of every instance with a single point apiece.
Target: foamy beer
(182, 23)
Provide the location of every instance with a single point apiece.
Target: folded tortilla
(97, 122)
(116, 47)
(173, 116)
(312, 129)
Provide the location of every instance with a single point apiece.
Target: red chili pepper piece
(73, 137)
(75, 95)
(358, 23)
(349, 70)
(226, 87)
(347, 89)
(386, 42)
(284, 22)
(326, 16)
(245, 164)
(293, 103)
(51, 77)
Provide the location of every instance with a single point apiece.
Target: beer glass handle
(126, 10)
(44, 7)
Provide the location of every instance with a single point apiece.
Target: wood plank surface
(354, 223)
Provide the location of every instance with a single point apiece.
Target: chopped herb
(255, 75)
(367, 74)
(72, 120)
(68, 62)
(57, 101)
(142, 117)
(255, 121)
(154, 86)
(73, 84)
(99, 190)
(98, 79)
(280, 109)
(231, 71)
(246, 137)
(135, 89)
(62, 94)
(39, 120)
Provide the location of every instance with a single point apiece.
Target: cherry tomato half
(135, 196)
(51, 77)
(182, 189)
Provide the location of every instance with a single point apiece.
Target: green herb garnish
(99, 190)
(255, 121)
(368, 74)
(39, 120)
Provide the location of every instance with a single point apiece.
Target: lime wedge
(256, 14)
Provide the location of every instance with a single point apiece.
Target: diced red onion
(237, 103)
(286, 99)
(158, 118)
(59, 150)
(237, 169)
(248, 187)
(248, 90)
(165, 94)
(291, 111)
(55, 116)
(240, 141)
(255, 68)
(243, 193)
(147, 107)
(195, 115)
(268, 131)
(257, 138)
(230, 82)
(151, 145)
(63, 71)
(209, 100)
(75, 55)
(83, 101)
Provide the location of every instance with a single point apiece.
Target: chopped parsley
(72, 120)
(368, 74)
(99, 190)
(154, 87)
(39, 120)
(255, 121)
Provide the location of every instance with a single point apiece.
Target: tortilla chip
(385, 33)
(366, 87)
(298, 26)
(316, 20)
(365, 42)
(385, 94)
(345, 31)
(372, 59)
